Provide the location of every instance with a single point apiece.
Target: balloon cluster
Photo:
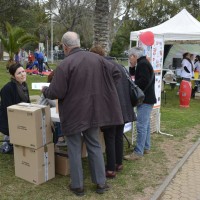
(147, 38)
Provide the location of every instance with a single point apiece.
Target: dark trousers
(40, 64)
(113, 137)
(46, 63)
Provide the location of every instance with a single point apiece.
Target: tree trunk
(101, 25)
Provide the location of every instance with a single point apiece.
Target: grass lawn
(137, 181)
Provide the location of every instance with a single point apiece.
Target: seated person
(29, 65)
(14, 92)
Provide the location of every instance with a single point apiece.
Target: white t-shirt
(188, 65)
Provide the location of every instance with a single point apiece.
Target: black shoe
(110, 174)
(77, 191)
(102, 188)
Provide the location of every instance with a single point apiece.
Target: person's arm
(7, 96)
(186, 69)
(58, 86)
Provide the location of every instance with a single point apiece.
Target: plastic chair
(170, 78)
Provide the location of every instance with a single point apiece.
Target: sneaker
(132, 156)
(102, 188)
(61, 143)
(146, 151)
(77, 191)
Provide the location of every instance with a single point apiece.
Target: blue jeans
(143, 128)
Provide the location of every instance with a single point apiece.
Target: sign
(39, 86)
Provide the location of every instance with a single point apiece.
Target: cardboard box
(84, 150)
(101, 141)
(29, 125)
(62, 163)
(35, 165)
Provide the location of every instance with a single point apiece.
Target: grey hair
(71, 39)
(136, 51)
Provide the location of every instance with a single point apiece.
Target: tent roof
(182, 28)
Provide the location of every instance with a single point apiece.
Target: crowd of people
(38, 60)
(190, 64)
(32, 60)
(93, 93)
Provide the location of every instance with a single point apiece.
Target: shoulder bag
(136, 94)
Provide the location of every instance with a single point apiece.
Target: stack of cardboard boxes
(31, 136)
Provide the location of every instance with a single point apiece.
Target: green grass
(136, 176)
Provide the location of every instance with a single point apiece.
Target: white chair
(170, 78)
(163, 92)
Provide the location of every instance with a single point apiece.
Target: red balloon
(147, 38)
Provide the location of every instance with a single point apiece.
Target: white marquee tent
(182, 28)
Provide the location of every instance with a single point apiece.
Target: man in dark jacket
(84, 84)
(145, 79)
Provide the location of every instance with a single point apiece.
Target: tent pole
(159, 131)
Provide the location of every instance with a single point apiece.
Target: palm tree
(15, 39)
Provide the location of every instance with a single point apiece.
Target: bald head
(71, 39)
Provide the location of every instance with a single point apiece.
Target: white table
(55, 118)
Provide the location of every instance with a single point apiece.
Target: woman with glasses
(14, 92)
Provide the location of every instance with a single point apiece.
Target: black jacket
(124, 95)
(143, 73)
(9, 96)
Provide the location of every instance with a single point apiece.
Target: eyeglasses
(21, 73)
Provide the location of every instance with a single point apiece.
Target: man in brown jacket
(84, 84)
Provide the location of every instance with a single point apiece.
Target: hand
(43, 88)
